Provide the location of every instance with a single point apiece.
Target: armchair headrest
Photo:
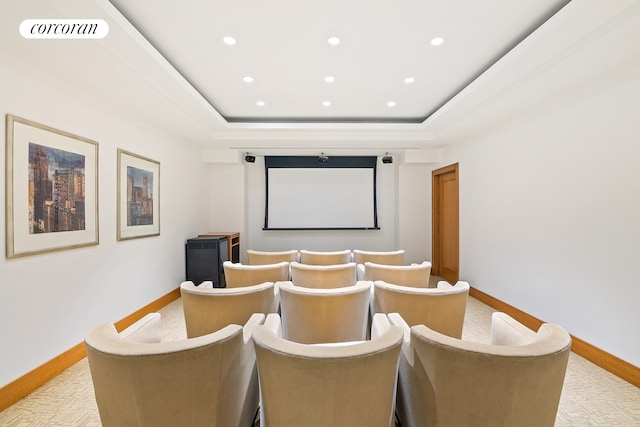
(360, 286)
(359, 251)
(444, 288)
(191, 288)
(265, 257)
(342, 252)
(315, 267)
(387, 258)
(255, 252)
(254, 267)
(325, 258)
(266, 337)
(422, 266)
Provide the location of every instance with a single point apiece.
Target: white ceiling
(283, 45)
(164, 64)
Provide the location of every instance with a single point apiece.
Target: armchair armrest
(443, 284)
(146, 330)
(379, 325)
(396, 320)
(276, 295)
(507, 331)
(247, 330)
(190, 285)
(274, 324)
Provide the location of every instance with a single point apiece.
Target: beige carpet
(591, 396)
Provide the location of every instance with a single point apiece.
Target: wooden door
(445, 229)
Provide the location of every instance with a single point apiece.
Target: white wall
(550, 211)
(226, 197)
(331, 240)
(414, 211)
(49, 302)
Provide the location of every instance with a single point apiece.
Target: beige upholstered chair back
(384, 258)
(205, 381)
(414, 275)
(441, 309)
(323, 276)
(239, 275)
(263, 257)
(326, 385)
(208, 309)
(502, 384)
(311, 316)
(325, 258)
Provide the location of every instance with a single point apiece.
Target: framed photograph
(138, 196)
(51, 189)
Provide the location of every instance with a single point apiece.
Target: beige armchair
(414, 275)
(311, 316)
(441, 309)
(384, 258)
(350, 384)
(323, 276)
(325, 258)
(262, 257)
(516, 380)
(238, 275)
(207, 309)
(206, 381)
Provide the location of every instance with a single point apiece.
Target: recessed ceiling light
(410, 80)
(326, 103)
(333, 41)
(437, 41)
(247, 79)
(329, 79)
(260, 103)
(229, 40)
(391, 104)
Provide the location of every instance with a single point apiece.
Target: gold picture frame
(138, 196)
(51, 189)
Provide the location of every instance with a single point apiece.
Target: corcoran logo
(64, 28)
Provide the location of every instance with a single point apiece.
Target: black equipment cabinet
(204, 258)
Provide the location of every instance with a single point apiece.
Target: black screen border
(343, 162)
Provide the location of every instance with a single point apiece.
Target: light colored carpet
(590, 397)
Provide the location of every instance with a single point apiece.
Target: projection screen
(303, 193)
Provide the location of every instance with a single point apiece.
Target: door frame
(435, 219)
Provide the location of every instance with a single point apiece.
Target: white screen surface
(316, 198)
